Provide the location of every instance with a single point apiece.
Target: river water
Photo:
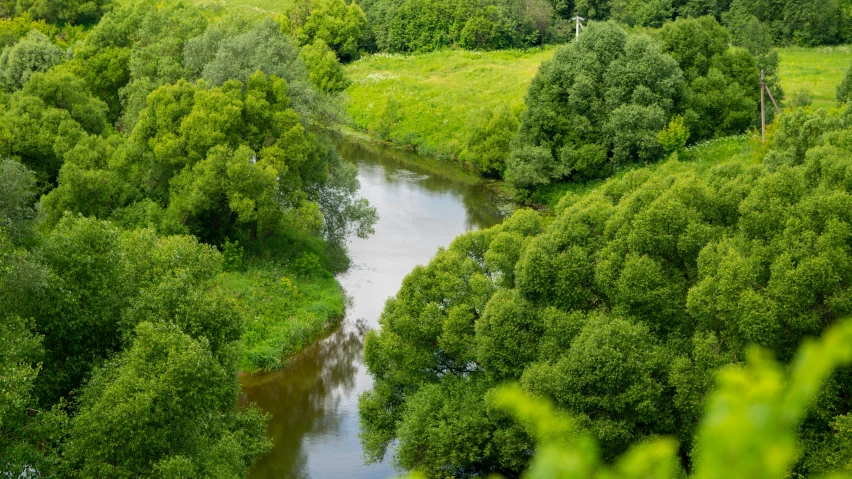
(314, 399)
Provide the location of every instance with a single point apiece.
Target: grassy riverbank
(283, 312)
(427, 101)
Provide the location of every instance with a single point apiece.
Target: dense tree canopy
(61, 11)
(620, 309)
(602, 102)
(129, 153)
(598, 104)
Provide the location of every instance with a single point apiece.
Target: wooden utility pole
(764, 89)
(577, 19)
(762, 109)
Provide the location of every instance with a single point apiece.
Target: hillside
(435, 94)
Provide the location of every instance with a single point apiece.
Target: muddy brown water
(313, 401)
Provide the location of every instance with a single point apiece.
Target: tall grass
(814, 71)
(283, 312)
(427, 101)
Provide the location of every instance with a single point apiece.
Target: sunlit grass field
(270, 5)
(437, 93)
(817, 71)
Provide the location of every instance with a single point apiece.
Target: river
(313, 401)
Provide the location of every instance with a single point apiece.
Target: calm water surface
(314, 400)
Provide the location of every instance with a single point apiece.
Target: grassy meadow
(427, 101)
(270, 5)
(816, 71)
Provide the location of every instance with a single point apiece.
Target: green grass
(270, 5)
(817, 71)
(283, 312)
(437, 93)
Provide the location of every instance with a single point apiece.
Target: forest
(666, 298)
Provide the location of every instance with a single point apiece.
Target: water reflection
(313, 400)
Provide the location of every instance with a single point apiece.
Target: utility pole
(765, 89)
(578, 25)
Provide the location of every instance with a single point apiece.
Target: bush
(675, 135)
(489, 140)
(324, 70)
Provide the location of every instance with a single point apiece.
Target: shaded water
(314, 399)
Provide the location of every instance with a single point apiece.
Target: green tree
(595, 106)
(140, 402)
(17, 196)
(63, 11)
(722, 94)
(324, 70)
(34, 53)
(338, 24)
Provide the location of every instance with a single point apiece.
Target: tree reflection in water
(314, 399)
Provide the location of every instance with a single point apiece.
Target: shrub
(675, 135)
(489, 140)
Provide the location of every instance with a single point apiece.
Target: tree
(338, 24)
(722, 95)
(593, 87)
(623, 306)
(17, 197)
(169, 401)
(60, 11)
(733, 440)
(324, 70)
(34, 53)
(41, 124)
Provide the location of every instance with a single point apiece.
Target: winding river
(313, 401)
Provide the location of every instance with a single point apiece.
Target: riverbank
(427, 102)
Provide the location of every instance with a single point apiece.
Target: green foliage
(489, 140)
(598, 104)
(34, 53)
(844, 89)
(324, 70)
(46, 119)
(428, 25)
(675, 135)
(734, 440)
(338, 24)
(57, 11)
(624, 306)
(232, 256)
(147, 400)
(17, 196)
(722, 94)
